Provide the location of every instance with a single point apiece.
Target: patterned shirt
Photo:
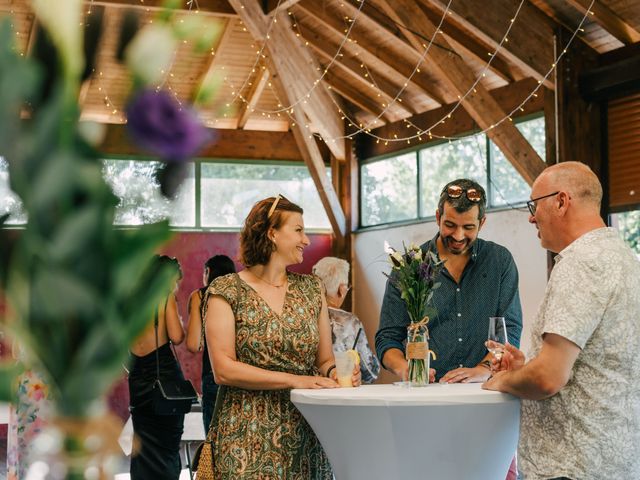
(591, 428)
(488, 287)
(344, 329)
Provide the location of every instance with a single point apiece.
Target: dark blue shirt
(488, 287)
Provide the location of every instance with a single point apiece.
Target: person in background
(580, 414)
(268, 331)
(159, 435)
(479, 280)
(345, 326)
(216, 266)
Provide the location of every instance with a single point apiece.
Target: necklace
(286, 280)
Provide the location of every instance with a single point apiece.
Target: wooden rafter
(208, 72)
(297, 69)
(295, 81)
(229, 144)
(530, 46)
(608, 20)
(480, 104)
(403, 63)
(473, 45)
(251, 100)
(357, 97)
(387, 82)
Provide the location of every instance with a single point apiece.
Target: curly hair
(255, 245)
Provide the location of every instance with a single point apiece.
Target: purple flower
(159, 124)
(425, 271)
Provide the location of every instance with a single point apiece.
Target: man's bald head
(577, 179)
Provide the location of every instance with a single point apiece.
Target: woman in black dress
(215, 267)
(158, 457)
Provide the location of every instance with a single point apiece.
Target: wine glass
(497, 334)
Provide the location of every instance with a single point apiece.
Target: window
(442, 163)
(134, 183)
(628, 224)
(229, 190)
(507, 185)
(10, 202)
(212, 195)
(390, 189)
(407, 186)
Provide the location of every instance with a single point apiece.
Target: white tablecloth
(443, 432)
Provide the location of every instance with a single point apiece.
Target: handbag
(202, 462)
(171, 396)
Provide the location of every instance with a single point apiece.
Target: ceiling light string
(316, 82)
(416, 69)
(406, 83)
(471, 89)
(259, 55)
(520, 107)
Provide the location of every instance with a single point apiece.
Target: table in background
(444, 432)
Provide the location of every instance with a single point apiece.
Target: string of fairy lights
(357, 126)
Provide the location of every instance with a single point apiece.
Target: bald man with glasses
(580, 414)
(480, 280)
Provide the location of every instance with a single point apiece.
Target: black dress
(159, 435)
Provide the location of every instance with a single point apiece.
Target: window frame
(416, 151)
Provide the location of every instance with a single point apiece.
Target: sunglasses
(531, 204)
(456, 191)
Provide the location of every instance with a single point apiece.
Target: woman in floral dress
(268, 331)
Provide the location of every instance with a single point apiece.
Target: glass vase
(418, 355)
(76, 449)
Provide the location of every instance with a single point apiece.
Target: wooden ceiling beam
(387, 83)
(296, 80)
(479, 104)
(402, 63)
(379, 86)
(475, 47)
(299, 72)
(530, 41)
(208, 73)
(252, 99)
(508, 97)
(217, 7)
(357, 97)
(229, 144)
(608, 20)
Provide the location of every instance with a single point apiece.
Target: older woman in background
(334, 273)
(268, 332)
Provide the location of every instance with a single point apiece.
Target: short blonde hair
(333, 272)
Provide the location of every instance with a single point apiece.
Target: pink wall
(192, 249)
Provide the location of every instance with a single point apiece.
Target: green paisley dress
(259, 434)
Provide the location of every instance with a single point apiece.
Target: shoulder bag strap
(155, 327)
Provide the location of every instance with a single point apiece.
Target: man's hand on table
(467, 375)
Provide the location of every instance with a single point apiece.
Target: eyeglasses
(531, 204)
(456, 191)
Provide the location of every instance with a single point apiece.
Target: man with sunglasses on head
(580, 417)
(479, 280)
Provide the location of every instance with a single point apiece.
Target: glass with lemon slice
(345, 364)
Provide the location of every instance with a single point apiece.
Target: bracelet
(329, 370)
(485, 363)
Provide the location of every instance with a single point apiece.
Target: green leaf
(9, 373)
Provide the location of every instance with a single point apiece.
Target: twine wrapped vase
(417, 353)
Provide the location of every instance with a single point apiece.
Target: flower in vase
(414, 273)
